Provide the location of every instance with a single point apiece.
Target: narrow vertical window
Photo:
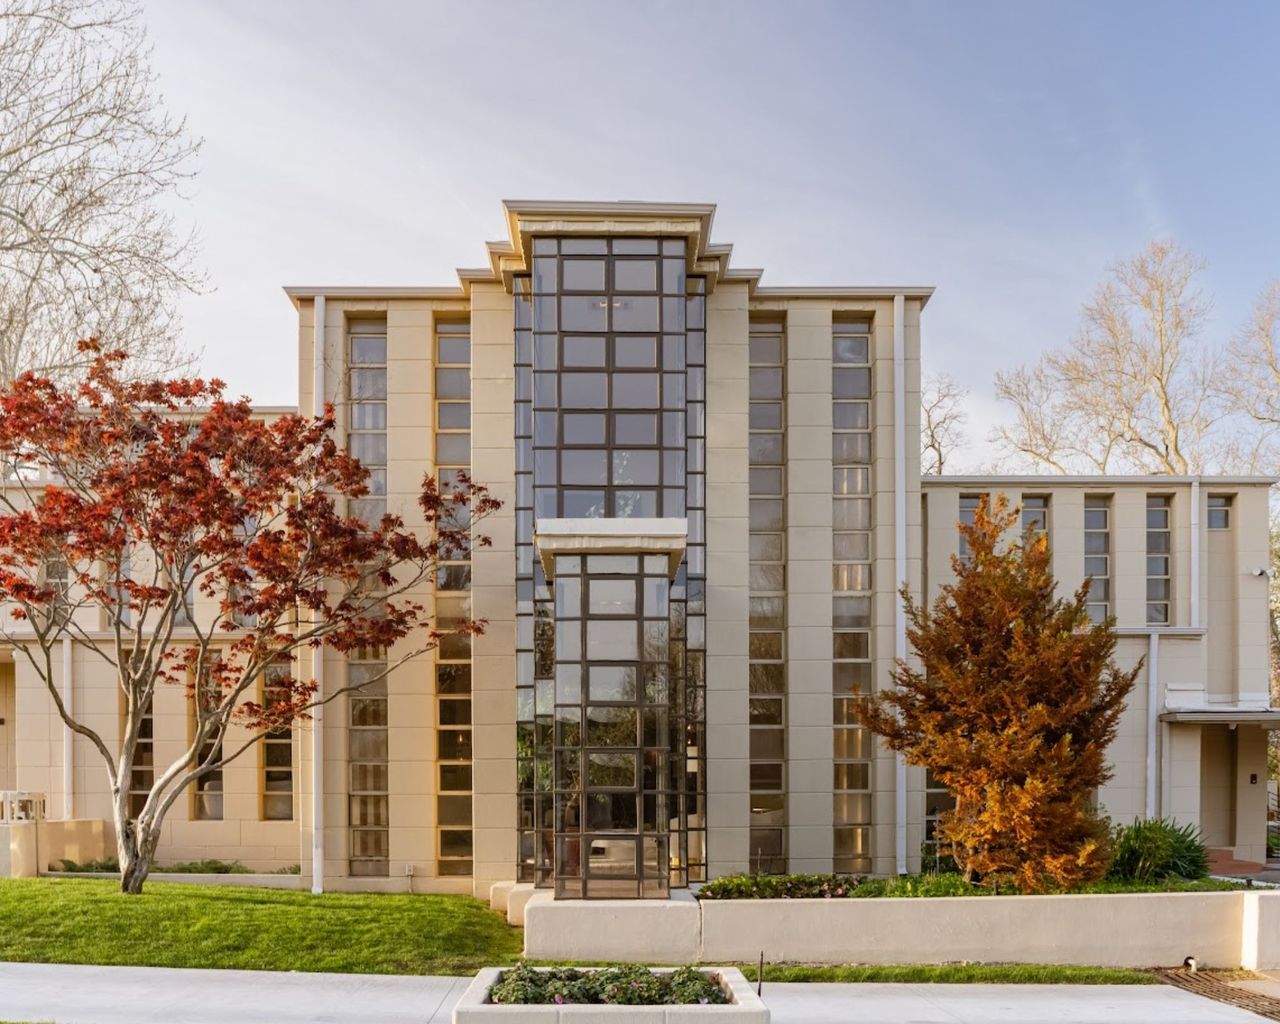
(58, 579)
(453, 602)
(1159, 554)
(851, 587)
(767, 637)
(1219, 512)
(368, 810)
(1035, 515)
(143, 776)
(1097, 555)
(368, 803)
(277, 748)
(968, 510)
(937, 801)
(207, 794)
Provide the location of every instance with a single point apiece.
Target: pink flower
(559, 998)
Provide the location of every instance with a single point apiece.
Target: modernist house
(711, 493)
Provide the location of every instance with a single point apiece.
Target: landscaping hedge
(625, 985)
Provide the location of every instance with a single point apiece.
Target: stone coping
(745, 1008)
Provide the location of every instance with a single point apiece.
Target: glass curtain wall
(610, 423)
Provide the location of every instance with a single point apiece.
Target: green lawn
(87, 921)
(969, 974)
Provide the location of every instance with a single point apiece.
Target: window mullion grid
(454, 804)
(368, 793)
(767, 616)
(851, 593)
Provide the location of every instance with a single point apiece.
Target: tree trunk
(133, 873)
(135, 849)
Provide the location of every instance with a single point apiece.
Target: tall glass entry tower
(611, 567)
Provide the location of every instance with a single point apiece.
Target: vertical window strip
(1097, 555)
(206, 794)
(277, 748)
(767, 623)
(968, 510)
(1035, 515)
(368, 801)
(143, 775)
(851, 592)
(1159, 558)
(453, 602)
(937, 801)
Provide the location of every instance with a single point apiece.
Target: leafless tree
(942, 420)
(1134, 391)
(88, 162)
(1250, 378)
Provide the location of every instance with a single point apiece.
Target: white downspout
(68, 737)
(317, 654)
(1195, 555)
(900, 554)
(1153, 720)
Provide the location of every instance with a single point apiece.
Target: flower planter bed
(740, 1006)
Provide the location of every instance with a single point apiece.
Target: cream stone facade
(667, 700)
(1192, 743)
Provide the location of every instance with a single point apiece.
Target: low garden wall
(1220, 929)
(27, 846)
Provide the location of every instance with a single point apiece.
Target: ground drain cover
(1214, 985)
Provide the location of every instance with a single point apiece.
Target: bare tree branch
(942, 420)
(1135, 390)
(88, 162)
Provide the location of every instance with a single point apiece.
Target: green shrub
(766, 887)
(625, 985)
(106, 866)
(1154, 849)
(111, 866)
(948, 884)
(780, 887)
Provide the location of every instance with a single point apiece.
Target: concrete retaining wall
(28, 847)
(1226, 929)
(636, 931)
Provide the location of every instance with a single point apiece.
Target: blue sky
(1003, 152)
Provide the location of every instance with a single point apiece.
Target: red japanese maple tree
(122, 500)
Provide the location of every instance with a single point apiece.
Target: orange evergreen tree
(1013, 708)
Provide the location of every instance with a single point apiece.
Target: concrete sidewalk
(143, 995)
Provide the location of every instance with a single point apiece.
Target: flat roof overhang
(1267, 717)
(666, 536)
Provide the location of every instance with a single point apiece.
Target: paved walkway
(141, 995)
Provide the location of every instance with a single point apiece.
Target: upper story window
(968, 510)
(1097, 554)
(1159, 555)
(367, 413)
(1219, 511)
(1035, 514)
